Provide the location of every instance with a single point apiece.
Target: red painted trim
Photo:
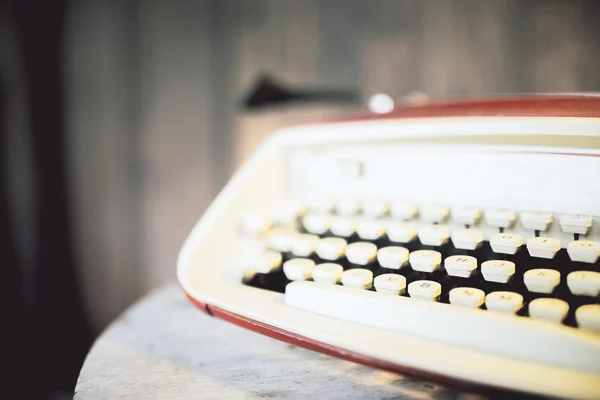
(338, 352)
(201, 306)
(550, 106)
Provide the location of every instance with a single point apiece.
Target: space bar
(506, 335)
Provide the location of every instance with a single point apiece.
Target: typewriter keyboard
(410, 250)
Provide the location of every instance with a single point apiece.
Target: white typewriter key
(467, 239)
(552, 310)
(343, 226)
(500, 218)
(360, 278)
(506, 243)
(584, 251)
(506, 302)
(348, 206)
(434, 235)
(466, 215)
(331, 249)
(281, 239)
(316, 223)
(266, 262)
(425, 290)
(467, 297)
(390, 284)
(320, 204)
(287, 212)
(541, 280)
(375, 208)
(584, 283)
(425, 260)
(536, 220)
(256, 223)
(543, 247)
(498, 271)
(298, 269)
(588, 317)
(460, 266)
(361, 253)
(434, 213)
(303, 245)
(575, 223)
(370, 229)
(402, 210)
(392, 257)
(327, 273)
(401, 232)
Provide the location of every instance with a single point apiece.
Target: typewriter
(457, 242)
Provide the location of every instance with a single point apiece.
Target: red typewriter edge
(527, 106)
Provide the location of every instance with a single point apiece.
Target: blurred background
(121, 120)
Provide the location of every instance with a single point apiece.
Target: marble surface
(164, 348)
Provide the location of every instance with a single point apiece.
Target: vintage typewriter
(454, 242)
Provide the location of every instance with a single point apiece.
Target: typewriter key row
(376, 208)
(337, 216)
(437, 235)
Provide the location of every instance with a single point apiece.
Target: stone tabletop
(164, 348)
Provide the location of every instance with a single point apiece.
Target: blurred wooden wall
(153, 85)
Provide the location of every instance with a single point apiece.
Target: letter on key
(425, 290)
(552, 310)
(460, 266)
(467, 297)
(498, 271)
(541, 280)
(425, 260)
(360, 278)
(390, 284)
(584, 283)
(584, 251)
(505, 302)
(298, 269)
(543, 247)
(392, 257)
(506, 243)
(575, 223)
